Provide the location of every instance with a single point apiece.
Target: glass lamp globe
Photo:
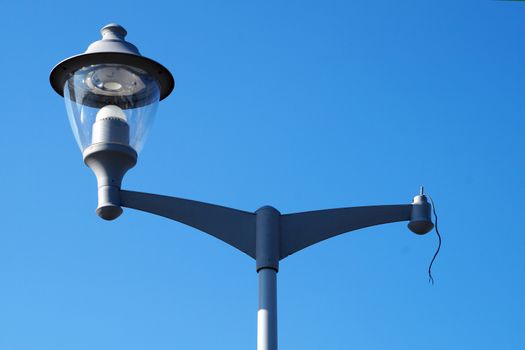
(103, 97)
(111, 91)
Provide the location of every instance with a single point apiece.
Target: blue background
(299, 104)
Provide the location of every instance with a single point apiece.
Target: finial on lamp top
(113, 31)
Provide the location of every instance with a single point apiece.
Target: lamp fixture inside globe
(113, 80)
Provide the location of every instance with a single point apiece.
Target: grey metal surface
(109, 162)
(268, 236)
(235, 227)
(267, 310)
(113, 48)
(111, 130)
(268, 240)
(301, 230)
(420, 219)
(113, 40)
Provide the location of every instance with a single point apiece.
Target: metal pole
(267, 232)
(267, 313)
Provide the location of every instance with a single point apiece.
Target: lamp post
(111, 93)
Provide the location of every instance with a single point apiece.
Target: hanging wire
(430, 278)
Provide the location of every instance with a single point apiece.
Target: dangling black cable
(430, 278)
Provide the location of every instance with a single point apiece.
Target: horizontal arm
(301, 230)
(235, 227)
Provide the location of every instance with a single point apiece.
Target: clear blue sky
(299, 104)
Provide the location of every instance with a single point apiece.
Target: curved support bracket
(301, 230)
(232, 226)
(268, 236)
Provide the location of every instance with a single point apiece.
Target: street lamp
(111, 93)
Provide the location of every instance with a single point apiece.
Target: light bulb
(111, 126)
(111, 111)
